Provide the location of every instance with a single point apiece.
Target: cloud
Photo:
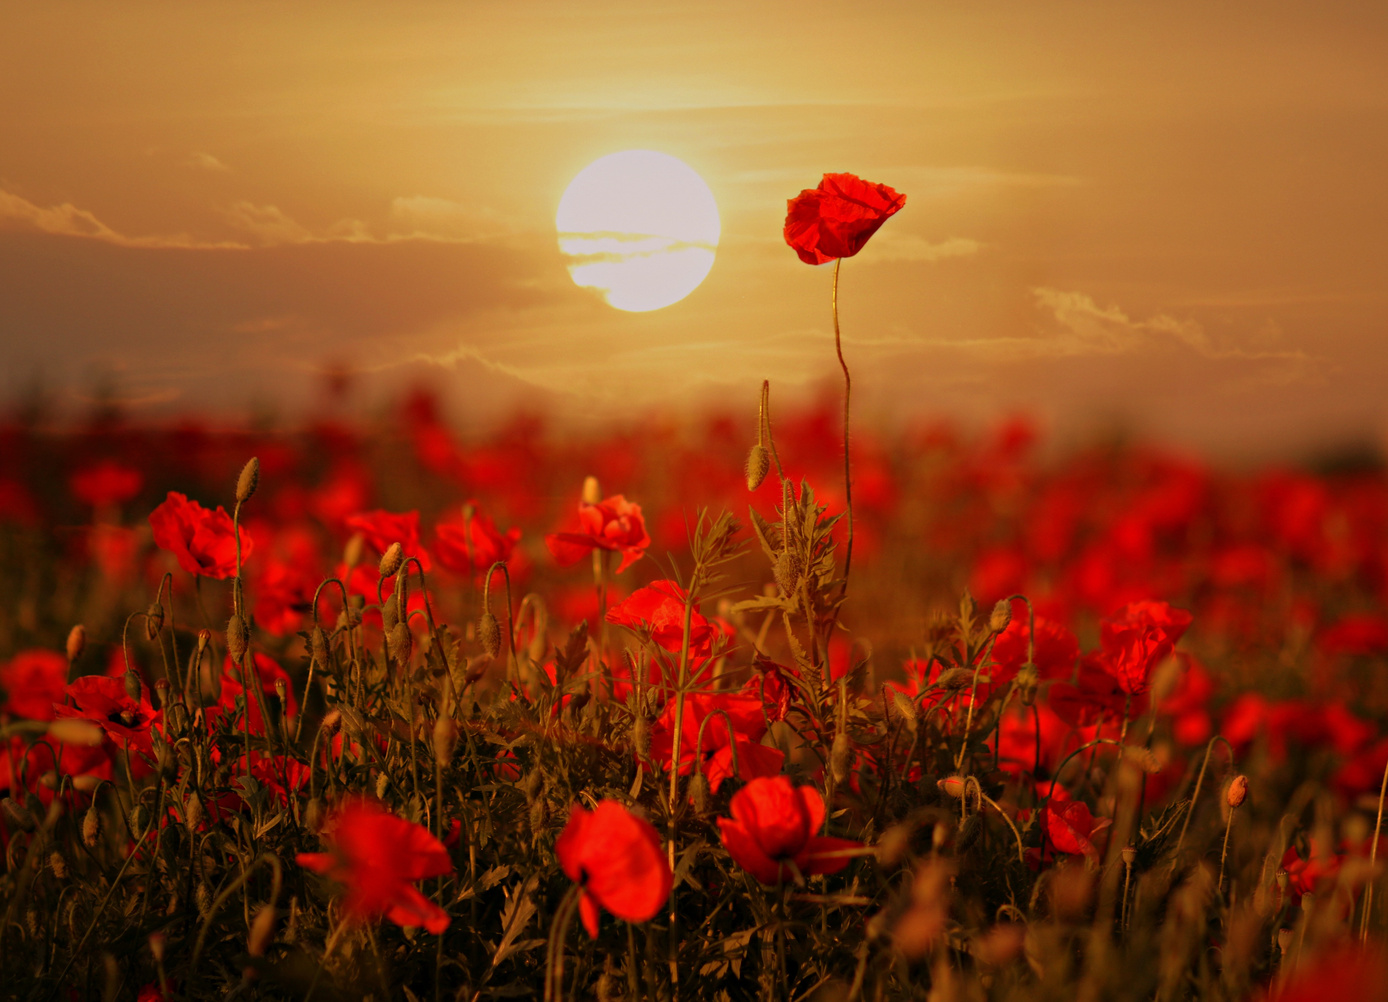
(889, 245)
(207, 162)
(68, 220)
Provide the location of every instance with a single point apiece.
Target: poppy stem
(1373, 858)
(847, 474)
(558, 932)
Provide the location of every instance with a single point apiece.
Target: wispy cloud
(207, 162)
(891, 245)
(68, 220)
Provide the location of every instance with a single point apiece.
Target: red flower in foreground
(104, 701)
(200, 538)
(379, 857)
(774, 823)
(1138, 639)
(613, 524)
(837, 218)
(1070, 826)
(659, 609)
(615, 857)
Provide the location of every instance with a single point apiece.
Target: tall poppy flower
(104, 701)
(614, 524)
(773, 824)
(615, 858)
(658, 609)
(836, 219)
(378, 857)
(200, 538)
(1137, 640)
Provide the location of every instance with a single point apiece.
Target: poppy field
(719, 709)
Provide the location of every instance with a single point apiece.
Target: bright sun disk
(640, 227)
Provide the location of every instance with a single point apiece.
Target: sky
(1168, 219)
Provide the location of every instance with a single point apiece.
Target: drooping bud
(382, 785)
(445, 740)
(954, 679)
(331, 721)
(139, 820)
(18, 816)
(698, 792)
(1001, 616)
(134, 687)
(91, 827)
(390, 614)
(237, 638)
(840, 757)
(905, 706)
(1028, 681)
(262, 931)
(318, 645)
(592, 492)
(154, 620)
(76, 642)
(401, 644)
(391, 560)
(1237, 792)
(953, 786)
(57, 865)
(489, 634)
(248, 480)
(355, 549)
(204, 898)
(758, 465)
(193, 813)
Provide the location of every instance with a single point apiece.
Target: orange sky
(1171, 216)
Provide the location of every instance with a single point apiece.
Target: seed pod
(262, 931)
(237, 638)
(391, 560)
(154, 620)
(382, 785)
(76, 642)
(248, 480)
(698, 792)
(318, 644)
(401, 644)
(91, 827)
(592, 492)
(57, 865)
(840, 756)
(1237, 792)
(134, 687)
(489, 634)
(18, 816)
(1129, 855)
(445, 740)
(1001, 616)
(758, 465)
(139, 820)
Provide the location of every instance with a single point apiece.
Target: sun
(640, 227)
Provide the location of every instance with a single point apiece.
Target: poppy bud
(57, 865)
(953, 786)
(91, 827)
(906, 707)
(641, 737)
(390, 614)
(204, 899)
(1001, 616)
(139, 820)
(489, 634)
(17, 816)
(1284, 940)
(445, 740)
(355, 549)
(1028, 680)
(262, 931)
(955, 679)
(698, 792)
(758, 465)
(282, 691)
(193, 813)
(318, 644)
(204, 638)
(840, 756)
(154, 620)
(76, 642)
(592, 492)
(1237, 792)
(401, 644)
(237, 638)
(313, 815)
(787, 572)
(331, 720)
(161, 686)
(391, 560)
(134, 688)
(247, 481)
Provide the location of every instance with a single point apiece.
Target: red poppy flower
(106, 483)
(774, 823)
(658, 609)
(473, 546)
(754, 759)
(614, 524)
(1070, 826)
(201, 539)
(1138, 639)
(33, 681)
(381, 528)
(615, 857)
(379, 857)
(103, 700)
(837, 218)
